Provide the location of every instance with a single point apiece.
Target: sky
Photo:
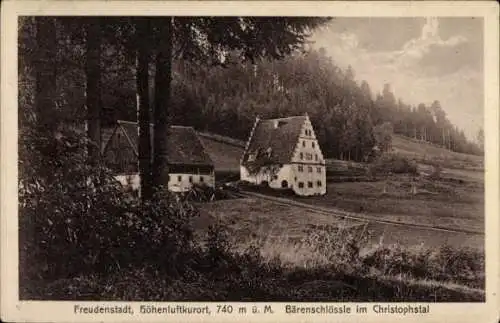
(423, 59)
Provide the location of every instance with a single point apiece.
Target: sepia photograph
(251, 158)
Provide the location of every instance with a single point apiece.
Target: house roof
(281, 135)
(183, 146)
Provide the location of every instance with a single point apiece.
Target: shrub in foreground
(76, 219)
(219, 274)
(346, 250)
(463, 266)
(205, 193)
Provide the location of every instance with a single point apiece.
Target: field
(308, 240)
(278, 227)
(455, 200)
(274, 251)
(447, 202)
(427, 153)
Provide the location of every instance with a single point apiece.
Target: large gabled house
(188, 162)
(284, 154)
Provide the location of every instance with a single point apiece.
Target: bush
(436, 171)
(65, 206)
(393, 163)
(76, 219)
(205, 193)
(463, 266)
(338, 246)
(265, 189)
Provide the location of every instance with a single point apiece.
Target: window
(301, 168)
(275, 177)
(319, 183)
(309, 156)
(313, 145)
(309, 184)
(190, 179)
(303, 143)
(295, 179)
(251, 157)
(202, 179)
(301, 156)
(301, 184)
(179, 178)
(318, 169)
(316, 157)
(310, 169)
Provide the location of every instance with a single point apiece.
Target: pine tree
(93, 89)
(143, 31)
(207, 40)
(45, 73)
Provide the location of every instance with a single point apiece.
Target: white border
(13, 310)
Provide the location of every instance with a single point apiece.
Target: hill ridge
(227, 151)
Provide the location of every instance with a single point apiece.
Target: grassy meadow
(309, 240)
(254, 249)
(305, 238)
(445, 202)
(454, 200)
(427, 153)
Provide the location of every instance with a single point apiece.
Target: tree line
(349, 118)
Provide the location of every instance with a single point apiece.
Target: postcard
(259, 161)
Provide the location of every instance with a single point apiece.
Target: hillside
(427, 153)
(226, 153)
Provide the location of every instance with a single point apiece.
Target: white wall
(308, 139)
(284, 174)
(293, 176)
(244, 176)
(305, 177)
(184, 184)
(275, 181)
(174, 185)
(255, 179)
(132, 180)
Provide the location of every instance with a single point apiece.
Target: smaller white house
(284, 153)
(188, 162)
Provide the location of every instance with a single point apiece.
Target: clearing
(446, 202)
(427, 153)
(455, 201)
(279, 230)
